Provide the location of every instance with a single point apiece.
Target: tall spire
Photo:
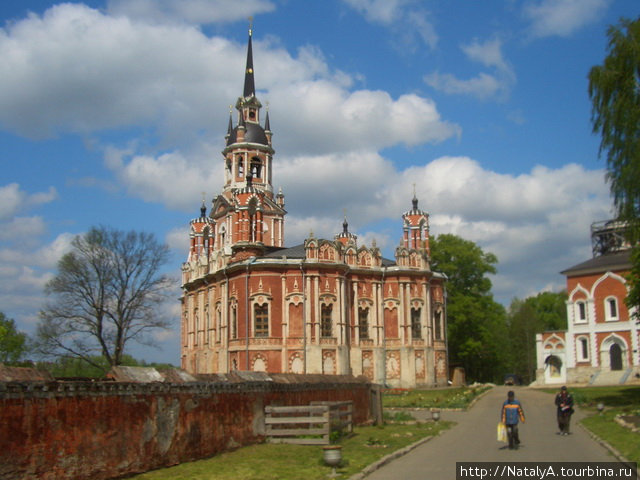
(249, 84)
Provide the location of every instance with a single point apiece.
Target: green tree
(614, 90)
(476, 323)
(545, 311)
(107, 292)
(13, 344)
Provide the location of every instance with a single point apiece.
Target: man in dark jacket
(564, 402)
(512, 412)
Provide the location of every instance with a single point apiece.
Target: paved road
(473, 439)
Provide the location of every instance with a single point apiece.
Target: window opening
(261, 316)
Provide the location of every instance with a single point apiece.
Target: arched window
(582, 349)
(326, 325)
(416, 328)
(196, 326)
(437, 323)
(611, 309)
(363, 323)
(580, 311)
(234, 322)
(207, 323)
(256, 167)
(223, 236)
(219, 323)
(240, 161)
(261, 320)
(206, 241)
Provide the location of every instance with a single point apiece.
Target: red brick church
(601, 343)
(327, 306)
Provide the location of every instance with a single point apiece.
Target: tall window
(326, 324)
(611, 309)
(219, 323)
(240, 165)
(256, 167)
(581, 311)
(207, 323)
(261, 320)
(363, 323)
(437, 324)
(234, 323)
(196, 326)
(583, 348)
(416, 328)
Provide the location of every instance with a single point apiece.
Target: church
(601, 343)
(326, 306)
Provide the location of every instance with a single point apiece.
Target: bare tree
(107, 291)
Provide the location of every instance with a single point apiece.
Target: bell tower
(248, 216)
(416, 228)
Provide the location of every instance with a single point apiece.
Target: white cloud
(190, 11)
(22, 229)
(496, 84)
(407, 18)
(76, 69)
(562, 17)
(178, 240)
(483, 86)
(488, 54)
(14, 200)
(536, 223)
(380, 11)
(166, 178)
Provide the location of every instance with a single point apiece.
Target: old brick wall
(82, 430)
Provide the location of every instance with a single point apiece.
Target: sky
(113, 112)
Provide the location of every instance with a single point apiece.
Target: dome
(254, 134)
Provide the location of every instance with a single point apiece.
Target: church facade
(327, 306)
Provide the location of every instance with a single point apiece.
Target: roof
(611, 262)
(298, 251)
(254, 134)
(23, 374)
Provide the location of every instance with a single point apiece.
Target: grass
(619, 437)
(459, 397)
(618, 400)
(398, 417)
(296, 462)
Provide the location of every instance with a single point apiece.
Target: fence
(308, 424)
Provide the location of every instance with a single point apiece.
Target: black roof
(254, 134)
(297, 251)
(610, 262)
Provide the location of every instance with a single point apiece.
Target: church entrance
(615, 357)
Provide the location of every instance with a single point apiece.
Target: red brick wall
(104, 430)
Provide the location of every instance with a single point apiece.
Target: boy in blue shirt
(512, 412)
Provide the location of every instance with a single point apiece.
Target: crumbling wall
(102, 430)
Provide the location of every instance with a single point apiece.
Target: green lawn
(457, 397)
(293, 462)
(622, 400)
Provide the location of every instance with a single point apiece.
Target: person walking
(512, 412)
(564, 402)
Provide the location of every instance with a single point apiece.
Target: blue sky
(114, 112)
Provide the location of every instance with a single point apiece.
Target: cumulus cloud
(165, 179)
(191, 11)
(562, 17)
(496, 84)
(78, 70)
(536, 222)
